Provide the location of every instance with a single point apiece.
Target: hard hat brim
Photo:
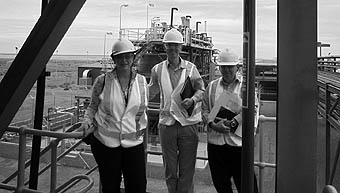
(174, 42)
(123, 52)
(228, 63)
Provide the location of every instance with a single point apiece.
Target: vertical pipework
(172, 16)
(198, 22)
(188, 20)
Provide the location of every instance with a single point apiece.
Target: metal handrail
(67, 185)
(326, 110)
(23, 131)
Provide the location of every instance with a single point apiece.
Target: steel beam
(248, 97)
(33, 56)
(296, 154)
(38, 119)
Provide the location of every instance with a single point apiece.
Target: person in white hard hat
(116, 117)
(177, 123)
(222, 113)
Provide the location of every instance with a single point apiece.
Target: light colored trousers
(179, 146)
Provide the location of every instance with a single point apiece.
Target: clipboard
(187, 92)
(224, 113)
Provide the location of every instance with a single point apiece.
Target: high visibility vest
(214, 92)
(120, 124)
(171, 109)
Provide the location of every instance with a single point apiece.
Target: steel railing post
(336, 158)
(54, 146)
(21, 160)
(261, 173)
(328, 132)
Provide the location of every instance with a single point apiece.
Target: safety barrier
(329, 63)
(261, 164)
(151, 110)
(23, 132)
(329, 110)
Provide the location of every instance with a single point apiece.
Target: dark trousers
(225, 162)
(113, 162)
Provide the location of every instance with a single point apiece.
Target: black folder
(225, 113)
(187, 92)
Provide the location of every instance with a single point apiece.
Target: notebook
(225, 113)
(187, 92)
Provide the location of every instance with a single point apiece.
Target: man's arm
(153, 84)
(238, 118)
(198, 85)
(205, 105)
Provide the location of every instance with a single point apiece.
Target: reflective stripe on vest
(122, 136)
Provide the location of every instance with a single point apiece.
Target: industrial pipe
(198, 22)
(172, 14)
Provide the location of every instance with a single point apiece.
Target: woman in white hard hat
(222, 112)
(179, 115)
(117, 114)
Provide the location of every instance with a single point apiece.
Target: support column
(38, 119)
(297, 97)
(248, 97)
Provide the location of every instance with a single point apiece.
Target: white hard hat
(122, 46)
(173, 36)
(227, 58)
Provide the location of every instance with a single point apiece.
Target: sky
(224, 23)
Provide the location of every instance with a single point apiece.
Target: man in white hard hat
(177, 124)
(222, 112)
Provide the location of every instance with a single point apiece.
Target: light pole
(87, 57)
(107, 33)
(147, 14)
(120, 19)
